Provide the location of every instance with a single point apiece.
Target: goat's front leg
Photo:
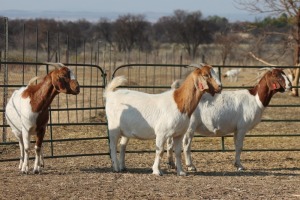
(39, 161)
(160, 141)
(238, 142)
(177, 150)
(187, 143)
(26, 143)
(123, 144)
(171, 164)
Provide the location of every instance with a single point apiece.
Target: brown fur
(42, 95)
(187, 96)
(271, 83)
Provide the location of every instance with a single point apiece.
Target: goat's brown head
(277, 80)
(207, 80)
(64, 81)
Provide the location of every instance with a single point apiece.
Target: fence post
(5, 76)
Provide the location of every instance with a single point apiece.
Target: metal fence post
(5, 76)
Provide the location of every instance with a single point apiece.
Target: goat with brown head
(27, 110)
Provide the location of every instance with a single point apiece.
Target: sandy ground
(269, 175)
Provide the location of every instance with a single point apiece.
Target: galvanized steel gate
(84, 115)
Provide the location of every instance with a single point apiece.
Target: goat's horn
(194, 65)
(56, 65)
(33, 79)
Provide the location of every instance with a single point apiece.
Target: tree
(130, 31)
(189, 30)
(291, 8)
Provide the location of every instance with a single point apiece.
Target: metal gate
(75, 121)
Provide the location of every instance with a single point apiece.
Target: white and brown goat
(27, 111)
(232, 112)
(133, 114)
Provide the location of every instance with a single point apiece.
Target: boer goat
(133, 114)
(232, 74)
(231, 112)
(27, 111)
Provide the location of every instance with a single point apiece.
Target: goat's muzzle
(74, 87)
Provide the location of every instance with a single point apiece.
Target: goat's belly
(138, 131)
(215, 131)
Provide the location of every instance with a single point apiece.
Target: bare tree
(292, 9)
(188, 29)
(131, 31)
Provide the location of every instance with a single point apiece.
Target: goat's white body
(126, 110)
(22, 121)
(133, 114)
(226, 113)
(233, 74)
(229, 112)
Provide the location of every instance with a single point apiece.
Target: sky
(223, 8)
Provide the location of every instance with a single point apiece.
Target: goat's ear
(58, 82)
(202, 84)
(272, 83)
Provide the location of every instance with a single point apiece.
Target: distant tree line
(128, 32)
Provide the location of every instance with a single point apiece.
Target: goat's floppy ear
(58, 82)
(202, 84)
(273, 84)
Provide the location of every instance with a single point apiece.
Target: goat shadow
(247, 173)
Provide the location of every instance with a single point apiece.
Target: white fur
(133, 114)
(229, 112)
(232, 74)
(22, 122)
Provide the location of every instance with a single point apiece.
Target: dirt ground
(269, 175)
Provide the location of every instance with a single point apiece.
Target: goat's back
(142, 115)
(19, 113)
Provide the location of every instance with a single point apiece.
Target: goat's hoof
(123, 169)
(158, 173)
(240, 169)
(182, 173)
(24, 172)
(171, 165)
(37, 171)
(191, 168)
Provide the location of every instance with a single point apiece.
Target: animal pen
(78, 126)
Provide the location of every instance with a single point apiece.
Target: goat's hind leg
(171, 164)
(21, 145)
(114, 136)
(26, 143)
(123, 144)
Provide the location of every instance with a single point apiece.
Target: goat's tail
(113, 84)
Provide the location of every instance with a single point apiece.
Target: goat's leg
(171, 164)
(113, 140)
(123, 144)
(21, 146)
(187, 144)
(38, 151)
(177, 150)
(26, 143)
(160, 141)
(238, 142)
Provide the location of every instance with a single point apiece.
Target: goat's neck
(263, 91)
(187, 97)
(41, 95)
